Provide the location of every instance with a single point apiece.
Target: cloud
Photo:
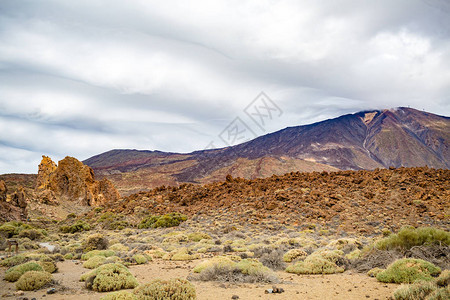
(82, 77)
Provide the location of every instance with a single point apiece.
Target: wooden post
(13, 243)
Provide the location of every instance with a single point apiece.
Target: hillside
(401, 137)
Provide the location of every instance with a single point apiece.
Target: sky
(83, 77)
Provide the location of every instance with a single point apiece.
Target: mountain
(400, 137)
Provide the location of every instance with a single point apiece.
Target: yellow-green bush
(251, 266)
(48, 266)
(374, 272)
(180, 254)
(119, 247)
(13, 260)
(198, 236)
(110, 277)
(140, 259)
(120, 295)
(440, 294)
(219, 261)
(418, 290)
(409, 237)
(408, 270)
(174, 289)
(444, 278)
(95, 242)
(14, 273)
(314, 265)
(78, 226)
(105, 253)
(94, 262)
(13, 228)
(33, 280)
(167, 220)
(294, 254)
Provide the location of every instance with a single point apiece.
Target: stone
(3, 190)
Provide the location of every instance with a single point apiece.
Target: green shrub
(180, 254)
(140, 259)
(418, 290)
(32, 234)
(13, 228)
(219, 261)
(109, 277)
(120, 295)
(78, 226)
(148, 222)
(94, 262)
(119, 247)
(294, 254)
(314, 265)
(408, 270)
(33, 280)
(374, 272)
(48, 266)
(104, 253)
(440, 294)
(14, 273)
(444, 278)
(409, 237)
(174, 289)
(13, 260)
(95, 242)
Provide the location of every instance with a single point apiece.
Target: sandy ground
(337, 286)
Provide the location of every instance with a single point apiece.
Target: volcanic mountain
(400, 137)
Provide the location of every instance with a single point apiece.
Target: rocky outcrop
(71, 180)
(3, 190)
(15, 209)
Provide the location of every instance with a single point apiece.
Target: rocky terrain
(401, 137)
(351, 201)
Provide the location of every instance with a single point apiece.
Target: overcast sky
(83, 77)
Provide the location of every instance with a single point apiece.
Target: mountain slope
(364, 140)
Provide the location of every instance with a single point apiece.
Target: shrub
(105, 253)
(147, 222)
(13, 228)
(109, 277)
(170, 220)
(273, 259)
(408, 270)
(444, 278)
(113, 221)
(94, 262)
(119, 247)
(95, 242)
(220, 261)
(32, 234)
(198, 236)
(180, 254)
(33, 280)
(13, 261)
(417, 290)
(79, 226)
(250, 266)
(314, 265)
(174, 289)
(294, 254)
(48, 266)
(140, 259)
(14, 273)
(120, 295)
(374, 272)
(440, 294)
(409, 237)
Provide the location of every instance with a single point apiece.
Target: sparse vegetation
(320, 262)
(140, 259)
(104, 253)
(174, 289)
(95, 242)
(294, 254)
(120, 295)
(419, 290)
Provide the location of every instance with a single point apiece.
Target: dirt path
(338, 286)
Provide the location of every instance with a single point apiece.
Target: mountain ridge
(400, 137)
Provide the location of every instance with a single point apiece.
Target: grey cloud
(94, 75)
